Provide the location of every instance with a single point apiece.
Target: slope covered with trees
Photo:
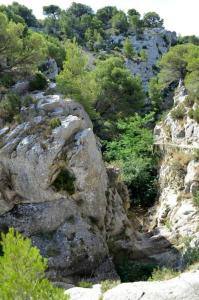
(93, 70)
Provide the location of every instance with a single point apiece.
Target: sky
(181, 16)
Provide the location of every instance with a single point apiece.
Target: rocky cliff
(155, 42)
(175, 215)
(54, 188)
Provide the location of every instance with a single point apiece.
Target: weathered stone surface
(175, 216)
(78, 293)
(183, 287)
(21, 87)
(155, 42)
(51, 68)
(73, 221)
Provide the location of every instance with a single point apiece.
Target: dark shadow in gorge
(151, 251)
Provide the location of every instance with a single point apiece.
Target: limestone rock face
(182, 132)
(54, 188)
(185, 286)
(155, 42)
(175, 217)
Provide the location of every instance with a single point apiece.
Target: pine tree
(22, 271)
(128, 49)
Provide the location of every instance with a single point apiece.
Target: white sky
(181, 16)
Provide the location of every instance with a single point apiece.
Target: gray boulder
(54, 188)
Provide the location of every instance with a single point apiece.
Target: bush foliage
(22, 271)
(131, 271)
(132, 150)
(160, 274)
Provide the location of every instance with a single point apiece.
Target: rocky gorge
(56, 189)
(58, 186)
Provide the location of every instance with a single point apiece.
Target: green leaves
(110, 84)
(75, 80)
(118, 91)
(119, 22)
(20, 50)
(152, 20)
(129, 51)
(181, 62)
(22, 271)
(132, 151)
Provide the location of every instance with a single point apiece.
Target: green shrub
(39, 82)
(27, 100)
(189, 101)
(128, 49)
(85, 284)
(108, 284)
(191, 113)
(191, 256)
(22, 271)
(160, 274)
(131, 271)
(132, 151)
(65, 182)
(143, 55)
(75, 81)
(178, 112)
(196, 155)
(7, 80)
(196, 114)
(196, 200)
(55, 122)
(9, 107)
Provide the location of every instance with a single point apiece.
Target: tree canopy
(20, 51)
(119, 21)
(51, 11)
(178, 62)
(132, 151)
(181, 62)
(78, 10)
(106, 13)
(152, 20)
(118, 91)
(17, 12)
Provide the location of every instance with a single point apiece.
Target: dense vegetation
(111, 94)
(22, 275)
(132, 150)
(179, 63)
(106, 88)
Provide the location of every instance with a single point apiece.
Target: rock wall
(54, 188)
(155, 42)
(175, 216)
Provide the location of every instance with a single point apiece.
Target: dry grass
(182, 158)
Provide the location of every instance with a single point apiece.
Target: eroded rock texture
(54, 188)
(185, 286)
(175, 216)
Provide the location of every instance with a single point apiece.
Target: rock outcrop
(54, 188)
(155, 42)
(185, 286)
(175, 217)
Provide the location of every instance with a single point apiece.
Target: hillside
(99, 156)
